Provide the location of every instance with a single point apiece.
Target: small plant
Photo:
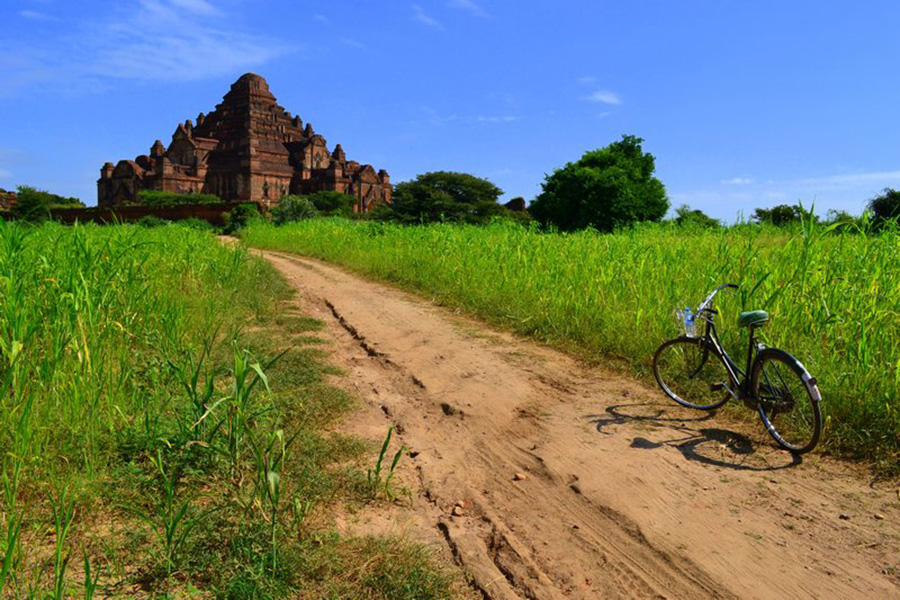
(90, 582)
(63, 511)
(171, 520)
(379, 482)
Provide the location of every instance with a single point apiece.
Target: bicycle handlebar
(706, 303)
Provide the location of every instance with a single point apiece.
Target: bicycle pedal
(715, 387)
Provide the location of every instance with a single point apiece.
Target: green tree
(688, 217)
(606, 188)
(886, 205)
(33, 204)
(445, 196)
(783, 214)
(294, 208)
(331, 203)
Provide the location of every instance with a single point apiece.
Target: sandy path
(623, 494)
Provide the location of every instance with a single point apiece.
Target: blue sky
(744, 104)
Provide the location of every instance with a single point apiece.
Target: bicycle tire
(692, 373)
(788, 400)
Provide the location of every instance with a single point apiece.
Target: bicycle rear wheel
(788, 400)
(691, 372)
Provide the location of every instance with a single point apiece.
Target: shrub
(886, 205)
(332, 203)
(294, 208)
(161, 198)
(198, 224)
(240, 216)
(151, 221)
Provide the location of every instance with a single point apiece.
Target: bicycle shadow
(707, 445)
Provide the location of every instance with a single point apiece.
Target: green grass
(165, 426)
(834, 298)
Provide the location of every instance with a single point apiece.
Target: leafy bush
(605, 189)
(151, 221)
(294, 208)
(161, 198)
(240, 216)
(332, 203)
(198, 224)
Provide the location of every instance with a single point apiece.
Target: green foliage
(444, 196)
(161, 198)
(240, 216)
(606, 188)
(331, 203)
(294, 208)
(833, 299)
(783, 214)
(198, 224)
(151, 221)
(34, 204)
(379, 481)
(886, 205)
(687, 217)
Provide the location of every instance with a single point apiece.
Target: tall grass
(86, 315)
(834, 297)
(139, 429)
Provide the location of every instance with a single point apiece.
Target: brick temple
(249, 149)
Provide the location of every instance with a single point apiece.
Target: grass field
(164, 428)
(834, 297)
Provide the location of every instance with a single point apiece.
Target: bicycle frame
(738, 375)
(711, 336)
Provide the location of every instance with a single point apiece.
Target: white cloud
(4, 174)
(353, 43)
(738, 181)
(587, 80)
(36, 16)
(853, 179)
(199, 7)
(468, 5)
(146, 40)
(322, 19)
(604, 97)
(422, 17)
(501, 119)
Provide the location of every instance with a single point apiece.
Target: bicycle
(695, 371)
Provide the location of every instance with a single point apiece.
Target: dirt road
(546, 478)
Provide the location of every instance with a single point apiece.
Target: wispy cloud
(322, 19)
(468, 5)
(4, 174)
(499, 119)
(739, 181)
(886, 178)
(36, 16)
(147, 40)
(604, 97)
(587, 80)
(433, 117)
(421, 16)
(353, 43)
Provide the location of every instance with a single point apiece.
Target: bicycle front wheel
(788, 400)
(691, 372)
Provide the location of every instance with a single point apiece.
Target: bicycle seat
(753, 318)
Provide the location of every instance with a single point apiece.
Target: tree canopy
(606, 188)
(688, 217)
(446, 196)
(33, 204)
(331, 203)
(780, 215)
(294, 208)
(886, 205)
